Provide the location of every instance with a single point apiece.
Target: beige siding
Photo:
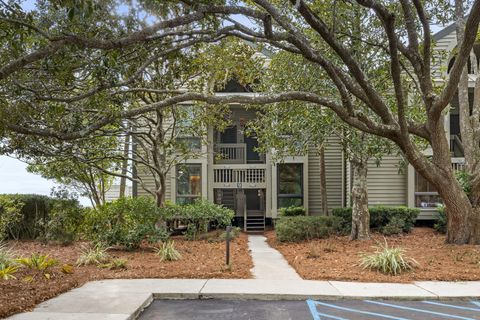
(334, 167)
(386, 186)
(150, 183)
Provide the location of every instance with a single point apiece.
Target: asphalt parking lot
(310, 309)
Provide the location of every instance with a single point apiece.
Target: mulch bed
(200, 259)
(338, 258)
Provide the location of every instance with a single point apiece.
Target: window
(189, 143)
(290, 185)
(189, 183)
(187, 130)
(425, 194)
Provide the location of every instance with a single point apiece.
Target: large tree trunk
(323, 181)
(360, 213)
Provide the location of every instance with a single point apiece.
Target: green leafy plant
(292, 211)
(10, 216)
(115, 264)
(64, 220)
(380, 217)
(37, 262)
(7, 272)
(167, 252)
(299, 228)
(40, 264)
(441, 222)
(198, 216)
(96, 255)
(394, 226)
(125, 222)
(388, 260)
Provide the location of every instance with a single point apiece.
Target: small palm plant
(167, 252)
(7, 272)
(388, 260)
(96, 255)
(39, 263)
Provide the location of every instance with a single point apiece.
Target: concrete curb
(126, 299)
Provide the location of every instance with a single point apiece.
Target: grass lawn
(338, 258)
(200, 259)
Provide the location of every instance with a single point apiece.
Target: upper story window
(290, 185)
(189, 183)
(187, 133)
(425, 194)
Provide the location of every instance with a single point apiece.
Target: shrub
(93, 255)
(441, 223)
(198, 216)
(10, 217)
(388, 260)
(380, 217)
(394, 226)
(125, 222)
(292, 211)
(27, 216)
(292, 229)
(167, 252)
(64, 221)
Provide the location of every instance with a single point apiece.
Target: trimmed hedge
(292, 211)
(26, 216)
(388, 220)
(294, 229)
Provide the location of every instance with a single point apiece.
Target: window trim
(301, 195)
(188, 196)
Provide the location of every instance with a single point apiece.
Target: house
(234, 174)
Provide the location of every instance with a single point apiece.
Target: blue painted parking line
(477, 303)
(451, 306)
(445, 315)
(316, 315)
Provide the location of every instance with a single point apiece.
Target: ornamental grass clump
(6, 255)
(167, 252)
(93, 255)
(388, 260)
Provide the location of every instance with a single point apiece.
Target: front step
(255, 223)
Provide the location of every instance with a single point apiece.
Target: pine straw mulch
(338, 258)
(200, 259)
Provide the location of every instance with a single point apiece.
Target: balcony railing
(239, 176)
(230, 153)
(458, 164)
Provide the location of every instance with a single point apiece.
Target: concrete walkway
(268, 263)
(125, 299)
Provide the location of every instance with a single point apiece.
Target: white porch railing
(458, 164)
(230, 153)
(239, 176)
